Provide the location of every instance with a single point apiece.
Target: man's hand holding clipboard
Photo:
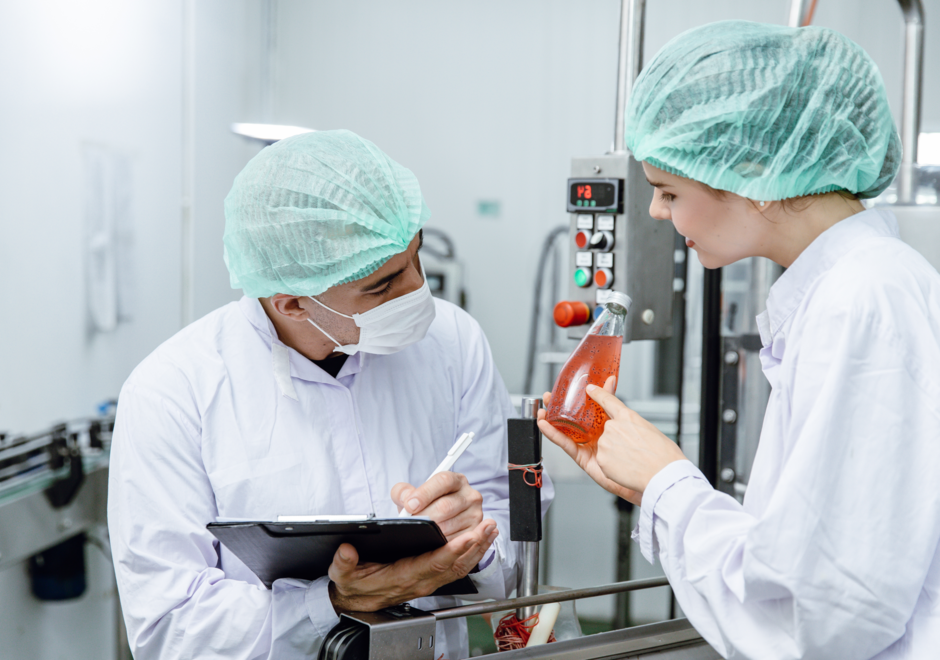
(457, 508)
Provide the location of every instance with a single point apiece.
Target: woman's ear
(288, 306)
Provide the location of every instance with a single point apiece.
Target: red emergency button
(571, 312)
(603, 278)
(582, 238)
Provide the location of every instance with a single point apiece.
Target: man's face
(398, 276)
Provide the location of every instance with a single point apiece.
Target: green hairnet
(766, 112)
(317, 210)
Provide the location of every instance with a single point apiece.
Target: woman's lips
(689, 242)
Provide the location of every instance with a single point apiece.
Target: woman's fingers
(611, 384)
(559, 438)
(547, 399)
(606, 400)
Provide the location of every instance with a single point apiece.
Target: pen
(459, 447)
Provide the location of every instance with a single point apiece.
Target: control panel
(614, 245)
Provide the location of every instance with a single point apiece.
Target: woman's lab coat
(834, 553)
(224, 421)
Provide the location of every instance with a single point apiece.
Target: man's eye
(382, 291)
(666, 197)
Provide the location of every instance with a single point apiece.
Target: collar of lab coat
(300, 366)
(789, 291)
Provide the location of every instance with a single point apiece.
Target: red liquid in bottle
(572, 411)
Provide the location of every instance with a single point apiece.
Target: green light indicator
(581, 278)
(593, 203)
(578, 202)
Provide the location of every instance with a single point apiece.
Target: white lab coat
(218, 424)
(834, 553)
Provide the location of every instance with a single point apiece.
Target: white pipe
(187, 229)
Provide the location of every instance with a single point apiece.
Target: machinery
(53, 496)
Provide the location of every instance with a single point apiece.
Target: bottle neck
(611, 322)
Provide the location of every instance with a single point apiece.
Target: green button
(581, 277)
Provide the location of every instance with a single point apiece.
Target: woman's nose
(659, 211)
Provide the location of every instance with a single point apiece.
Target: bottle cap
(621, 299)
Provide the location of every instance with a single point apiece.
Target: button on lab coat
(224, 421)
(834, 553)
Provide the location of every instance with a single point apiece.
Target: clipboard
(304, 550)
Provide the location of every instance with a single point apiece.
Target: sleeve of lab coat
(834, 566)
(484, 408)
(177, 603)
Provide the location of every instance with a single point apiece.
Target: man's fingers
(400, 491)
(547, 399)
(611, 384)
(345, 560)
(610, 403)
(434, 488)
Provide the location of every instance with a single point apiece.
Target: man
(336, 385)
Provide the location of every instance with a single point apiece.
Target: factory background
(128, 107)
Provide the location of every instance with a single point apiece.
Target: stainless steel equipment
(402, 633)
(614, 244)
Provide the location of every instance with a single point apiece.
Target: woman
(759, 141)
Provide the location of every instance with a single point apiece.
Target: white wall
(104, 73)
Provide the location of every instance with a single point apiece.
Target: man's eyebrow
(656, 184)
(382, 282)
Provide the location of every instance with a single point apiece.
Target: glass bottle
(596, 358)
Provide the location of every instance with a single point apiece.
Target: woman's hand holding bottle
(629, 452)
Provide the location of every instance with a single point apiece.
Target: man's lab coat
(224, 421)
(834, 553)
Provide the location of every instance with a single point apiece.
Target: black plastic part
(59, 572)
(525, 502)
(711, 376)
(94, 435)
(64, 450)
(348, 640)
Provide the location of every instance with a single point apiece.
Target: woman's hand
(585, 455)
(628, 454)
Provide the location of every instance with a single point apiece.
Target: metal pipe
(528, 584)
(553, 597)
(799, 12)
(913, 12)
(630, 62)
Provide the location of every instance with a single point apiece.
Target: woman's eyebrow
(656, 184)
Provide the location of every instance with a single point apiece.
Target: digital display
(589, 195)
(593, 194)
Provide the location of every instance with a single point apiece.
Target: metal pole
(632, 14)
(799, 12)
(913, 12)
(529, 578)
(553, 597)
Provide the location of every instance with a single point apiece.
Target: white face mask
(391, 326)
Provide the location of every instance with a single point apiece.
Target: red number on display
(580, 192)
(587, 192)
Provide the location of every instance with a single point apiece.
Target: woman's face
(721, 230)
